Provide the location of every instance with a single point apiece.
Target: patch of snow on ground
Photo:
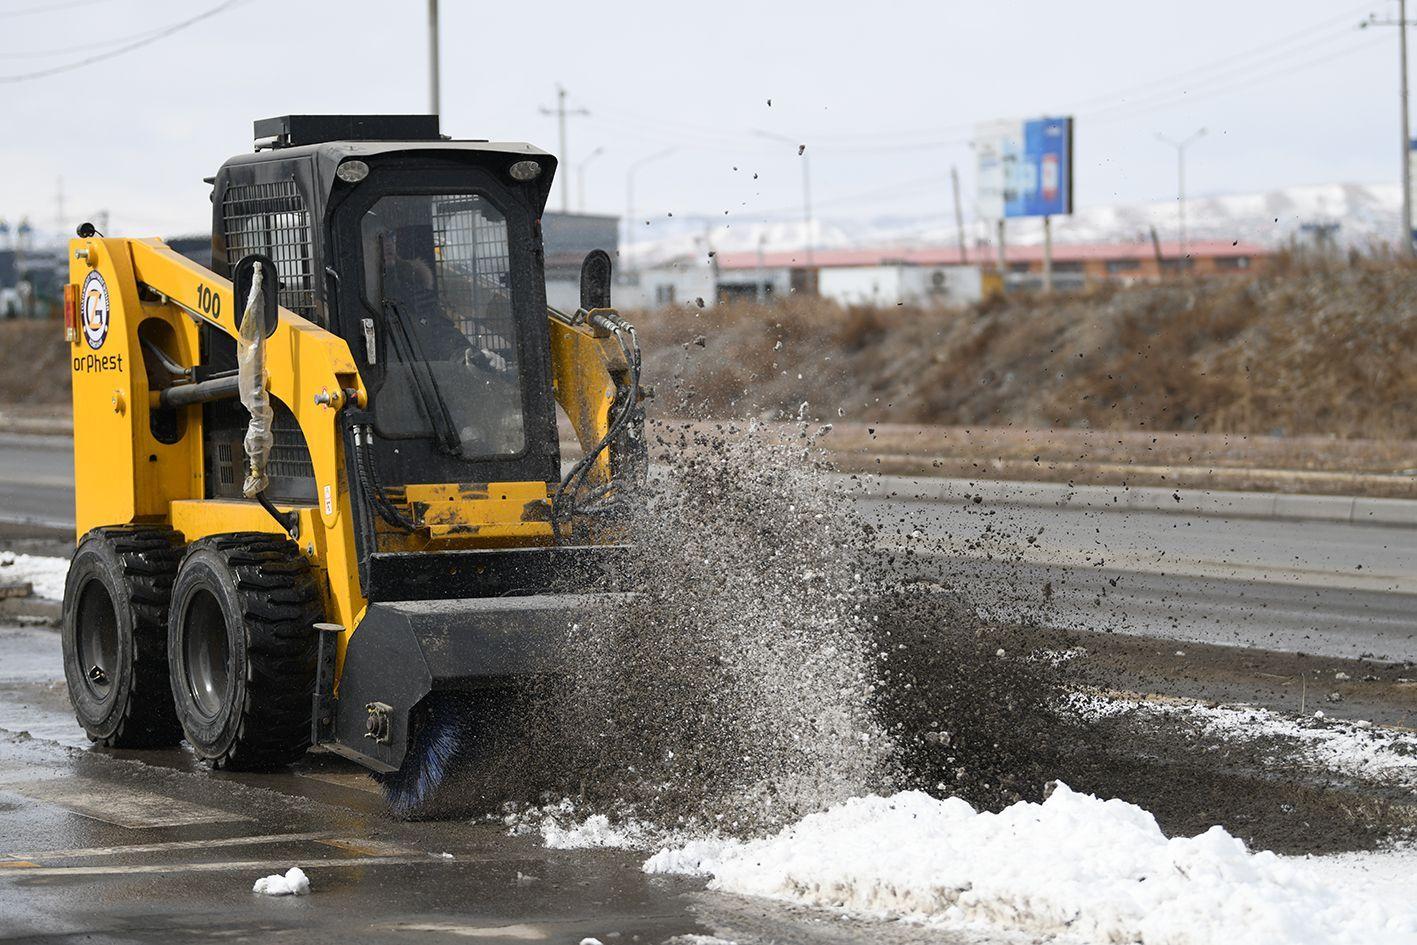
(1074, 866)
(1356, 748)
(46, 574)
(595, 831)
(293, 883)
(562, 827)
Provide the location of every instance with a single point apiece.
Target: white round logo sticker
(95, 310)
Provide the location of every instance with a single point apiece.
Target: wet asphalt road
(1325, 588)
(122, 847)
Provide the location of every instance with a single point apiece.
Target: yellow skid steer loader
(319, 487)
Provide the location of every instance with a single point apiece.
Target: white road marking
(225, 867)
(112, 803)
(171, 845)
(529, 933)
(354, 780)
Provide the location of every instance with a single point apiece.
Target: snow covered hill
(1365, 214)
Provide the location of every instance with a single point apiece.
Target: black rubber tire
(256, 593)
(121, 578)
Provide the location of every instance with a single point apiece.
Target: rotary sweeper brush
(319, 487)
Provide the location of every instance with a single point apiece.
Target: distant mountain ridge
(1365, 214)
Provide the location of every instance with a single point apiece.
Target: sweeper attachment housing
(319, 486)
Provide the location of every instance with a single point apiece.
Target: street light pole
(433, 57)
(1180, 147)
(630, 192)
(806, 195)
(560, 111)
(580, 177)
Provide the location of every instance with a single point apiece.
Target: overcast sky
(884, 95)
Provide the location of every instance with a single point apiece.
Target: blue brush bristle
(427, 764)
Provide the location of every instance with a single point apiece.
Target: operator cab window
(437, 273)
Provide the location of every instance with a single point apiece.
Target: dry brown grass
(1309, 346)
(34, 363)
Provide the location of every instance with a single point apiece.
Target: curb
(31, 611)
(1210, 503)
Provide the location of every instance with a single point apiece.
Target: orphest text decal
(90, 363)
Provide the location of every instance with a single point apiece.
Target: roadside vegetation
(1308, 346)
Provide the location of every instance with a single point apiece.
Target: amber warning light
(71, 311)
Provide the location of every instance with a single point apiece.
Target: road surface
(1326, 588)
(99, 846)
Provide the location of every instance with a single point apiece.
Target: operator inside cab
(438, 284)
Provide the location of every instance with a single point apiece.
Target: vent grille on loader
(273, 219)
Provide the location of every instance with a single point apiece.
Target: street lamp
(433, 57)
(806, 185)
(580, 176)
(630, 191)
(1180, 147)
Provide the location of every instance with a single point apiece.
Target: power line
(1186, 76)
(64, 7)
(81, 47)
(1158, 93)
(162, 33)
(1185, 98)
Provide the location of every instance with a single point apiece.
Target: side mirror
(242, 278)
(595, 280)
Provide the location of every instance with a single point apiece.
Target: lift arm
(589, 372)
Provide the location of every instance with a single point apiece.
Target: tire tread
(280, 603)
(149, 556)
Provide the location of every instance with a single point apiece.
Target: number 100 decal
(208, 301)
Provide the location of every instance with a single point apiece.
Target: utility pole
(1180, 147)
(959, 218)
(630, 192)
(1407, 244)
(433, 103)
(1406, 133)
(806, 199)
(1047, 253)
(580, 177)
(561, 112)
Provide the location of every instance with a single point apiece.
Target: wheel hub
(97, 639)
(206, 651)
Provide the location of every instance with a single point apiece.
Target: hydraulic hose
(571, 484)
(373, 488)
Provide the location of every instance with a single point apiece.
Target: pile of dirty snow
(1356, 748)
(1073, 866)
(45, 574)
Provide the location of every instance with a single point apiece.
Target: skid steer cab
(319, 489)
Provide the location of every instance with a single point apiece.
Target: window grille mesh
(273, 219)
(474, 270)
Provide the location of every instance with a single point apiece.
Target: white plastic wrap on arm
(251, 385)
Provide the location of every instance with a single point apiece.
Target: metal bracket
(380, 724)
(322, 710)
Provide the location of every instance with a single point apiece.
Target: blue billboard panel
(1043, 179)
(1025, 168)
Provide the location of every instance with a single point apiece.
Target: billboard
(1025, 168)
(1412, 179)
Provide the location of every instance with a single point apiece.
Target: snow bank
(44, 573)
(293, 883)
(1074, 866)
